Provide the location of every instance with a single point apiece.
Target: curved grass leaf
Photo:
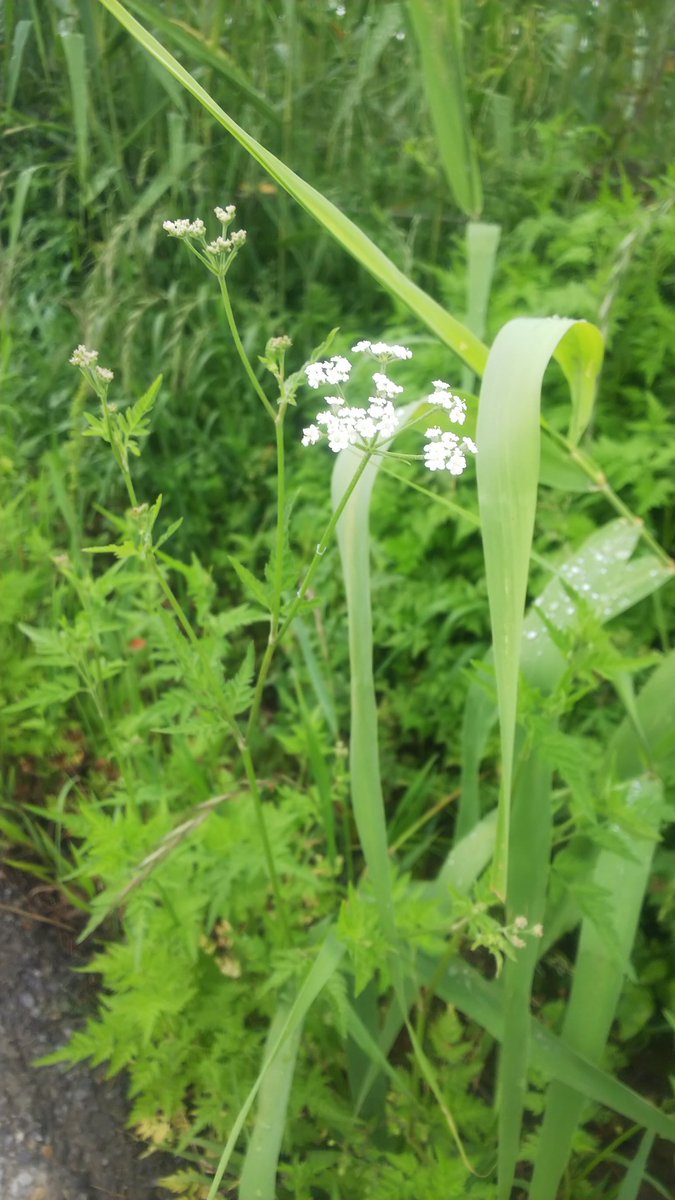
(508, 438)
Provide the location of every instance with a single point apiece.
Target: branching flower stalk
(113, 429)
(365, 430)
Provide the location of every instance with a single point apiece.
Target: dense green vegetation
(405, 932)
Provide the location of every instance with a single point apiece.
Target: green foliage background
(105, 747)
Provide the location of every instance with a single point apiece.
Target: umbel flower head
(369, 427)
(217, 254)
(87, 361)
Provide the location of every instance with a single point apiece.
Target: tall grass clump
(342, 925)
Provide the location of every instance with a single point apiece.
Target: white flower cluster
(331, 371)
(236, 239)
(446, 452)
(382, 350)
(344, 425)
(81, 357)
(444, 398)
(184, 228)
(522, 925)
(88, 360)
(225, 215)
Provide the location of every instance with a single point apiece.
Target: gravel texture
(62, 1130)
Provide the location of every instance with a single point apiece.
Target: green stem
(264, 837)
(255, 382)
(300, 596)
(281, 518)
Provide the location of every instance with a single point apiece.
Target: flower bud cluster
(87, 361)
(521, 926)
(218, 254)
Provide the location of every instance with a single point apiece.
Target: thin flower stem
(249, 768)
(281, 518)
(323, 545)
(255, 382)
(300, 596)
(117, 454)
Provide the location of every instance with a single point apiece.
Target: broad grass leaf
(508, 439)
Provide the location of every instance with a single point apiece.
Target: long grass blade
(21, 32)
(508, 441)
(482, 241)
(74, 50)
(438, 30)
(630, 1188)
(259, 1173)
(529, 864)
(602, 960)
(600, 969)
(366, 783)
(323, 968)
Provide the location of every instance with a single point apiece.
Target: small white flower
(219, 245)
(517, 941)
(238, 237)
(386, 386)
(81, 357)
(331, 371)
(537, 931)
(105, 374)
(382, 350)
(184, 228)
(442, 397)
(310, 435)
(226, 214)
(520, 922)
(177, 229)
(445, 452)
